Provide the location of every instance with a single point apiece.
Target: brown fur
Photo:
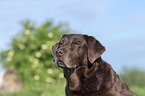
(78, 56)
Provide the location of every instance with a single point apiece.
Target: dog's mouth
(61, 64)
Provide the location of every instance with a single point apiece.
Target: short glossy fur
(78, 56)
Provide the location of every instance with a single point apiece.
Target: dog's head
(74, 50)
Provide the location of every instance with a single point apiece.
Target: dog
(84, 70)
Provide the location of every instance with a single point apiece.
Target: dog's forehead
(74, 37)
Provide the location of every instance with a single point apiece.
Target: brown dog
(86, 73)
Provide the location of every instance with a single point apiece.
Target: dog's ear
(95, 49)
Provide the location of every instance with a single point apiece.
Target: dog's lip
(61, 64)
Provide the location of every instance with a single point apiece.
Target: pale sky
(118, 24)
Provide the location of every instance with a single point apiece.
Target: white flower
(38, 54)
(34, 65)
(31, 59)
(27, 32)
(21, 46)
(11, 53)
(48, 80)
(49, 71)
(60, 75)
(9, 59)
(23, 39)
(50, 35)
(36, 77)
(36, 60)
(44, 46)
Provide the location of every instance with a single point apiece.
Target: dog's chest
(83, 85)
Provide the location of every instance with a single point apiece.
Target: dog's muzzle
(61, 64)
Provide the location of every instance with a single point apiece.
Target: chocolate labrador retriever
(86, 73)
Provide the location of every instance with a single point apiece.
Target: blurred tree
(133, 77)
(30, 52)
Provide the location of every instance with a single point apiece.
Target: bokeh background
(29, 28)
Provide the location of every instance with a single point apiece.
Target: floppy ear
(95, 49)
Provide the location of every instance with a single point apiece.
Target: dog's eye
(76, 43)
(60, 44)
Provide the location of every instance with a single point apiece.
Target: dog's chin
(61, 64)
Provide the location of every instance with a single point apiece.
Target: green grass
(42, 90)
(138, 90)
(57, 89)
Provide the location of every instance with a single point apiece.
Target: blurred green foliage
(135, 79)
(30, 53)
(140, 91)
(56, 89)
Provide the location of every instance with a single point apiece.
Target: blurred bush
(133, 77)
(30, 53)
(140, 91)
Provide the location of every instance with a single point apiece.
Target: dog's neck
(98, 60)
(68, 72)
(74, 79)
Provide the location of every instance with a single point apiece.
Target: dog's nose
(59, 52)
